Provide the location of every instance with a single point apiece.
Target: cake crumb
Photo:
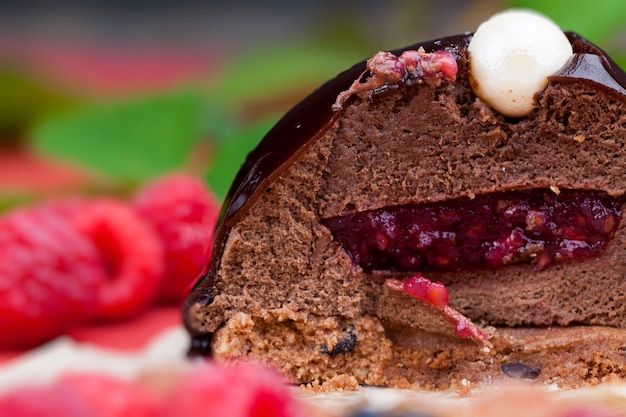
(465, 388)
(338, 383)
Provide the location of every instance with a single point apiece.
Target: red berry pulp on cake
(417, 286)
(436, 294)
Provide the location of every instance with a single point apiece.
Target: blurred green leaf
(272, 78)
(620, 60)
(282, 69)
(26, 99)
(596, 21)
(133, 141)
(231, 154)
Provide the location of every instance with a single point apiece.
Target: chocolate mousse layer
(282, 288)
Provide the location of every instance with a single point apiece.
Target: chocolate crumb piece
(520, 371)
(345, 345)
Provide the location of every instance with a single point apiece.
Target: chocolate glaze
(308, 121)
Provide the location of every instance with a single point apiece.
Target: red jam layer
(487, 232)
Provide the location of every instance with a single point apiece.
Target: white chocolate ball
(511, 55)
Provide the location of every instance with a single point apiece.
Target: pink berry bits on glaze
(386, 70)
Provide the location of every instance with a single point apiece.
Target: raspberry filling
(487, 232)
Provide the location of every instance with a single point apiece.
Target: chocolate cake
(395, 229)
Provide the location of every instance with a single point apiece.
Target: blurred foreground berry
(207, 389)
(112, 397)
(84, 395)
(50, 275)
(44, 402)
(184, 212)
(242, 390)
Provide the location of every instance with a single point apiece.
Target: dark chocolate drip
(310, 119)
(590, 68)
(590, 63)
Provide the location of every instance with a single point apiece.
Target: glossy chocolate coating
(309, 120)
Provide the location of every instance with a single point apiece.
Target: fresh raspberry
(49, 276)
(81, 396)
(131, 252)
(183, 211)
(242, 390)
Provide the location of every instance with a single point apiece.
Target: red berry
(45, 402)
(437, 294)
(49, 276)
(111, 397)
(235, 391)
(424, 289)
(130, 251)
(590, 412)
(81, 396)
(184, 213)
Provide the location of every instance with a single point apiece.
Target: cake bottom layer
(312, 349)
